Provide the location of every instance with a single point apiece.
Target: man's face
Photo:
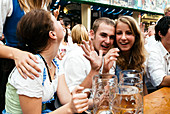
(104, 37)
(168, 14)
(166, 39)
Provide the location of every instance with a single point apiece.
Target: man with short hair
(158, 67)
(80, 72)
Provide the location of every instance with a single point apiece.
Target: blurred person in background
(151, 39)
(167, 10)
(76, 66)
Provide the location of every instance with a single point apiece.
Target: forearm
(165, 82)
(63, 92)
(87, 83)
(7, 52)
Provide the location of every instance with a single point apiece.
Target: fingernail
(33, 77)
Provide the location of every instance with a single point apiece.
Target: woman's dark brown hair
(33, 30)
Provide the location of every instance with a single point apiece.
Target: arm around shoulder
(25, 61)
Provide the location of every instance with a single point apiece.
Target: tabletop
(157, 102)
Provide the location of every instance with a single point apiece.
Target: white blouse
(40, 86)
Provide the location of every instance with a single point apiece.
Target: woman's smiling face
(124, 37)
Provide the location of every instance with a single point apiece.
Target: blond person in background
(76, 66)
(167, 10)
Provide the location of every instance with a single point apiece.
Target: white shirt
(158, 64)
(76, 66)
(150, 41)
(1, 43)
(6, 8)
(34, 88)
(70, 41)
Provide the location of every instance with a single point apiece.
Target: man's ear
(160, 34)
(52, 35)
(92, 34)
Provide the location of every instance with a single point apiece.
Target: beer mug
(127, 100)
(133, 78)
(101, 86)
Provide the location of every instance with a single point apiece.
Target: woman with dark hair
(41, 34)
(11, 12)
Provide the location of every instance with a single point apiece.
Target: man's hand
(92, 56)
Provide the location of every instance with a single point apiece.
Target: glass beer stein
(101, 86)
(133, 78)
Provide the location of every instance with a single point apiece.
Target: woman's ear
(91, 34)
(52, 35)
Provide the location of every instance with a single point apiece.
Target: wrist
(69, 109)
(12, 53)
(94, 72)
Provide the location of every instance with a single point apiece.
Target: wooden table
(157, 102)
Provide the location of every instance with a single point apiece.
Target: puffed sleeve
(28, 87)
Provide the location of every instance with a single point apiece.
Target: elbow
(165, 82)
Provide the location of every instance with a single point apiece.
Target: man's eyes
(104, 35)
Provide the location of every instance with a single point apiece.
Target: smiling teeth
(105, 46)
(123, 43)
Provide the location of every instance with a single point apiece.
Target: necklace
(49, 66)
(46, 67)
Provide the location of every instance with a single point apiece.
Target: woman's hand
(109, 59)
(92, 56)
(79, 102)
(26, 63)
